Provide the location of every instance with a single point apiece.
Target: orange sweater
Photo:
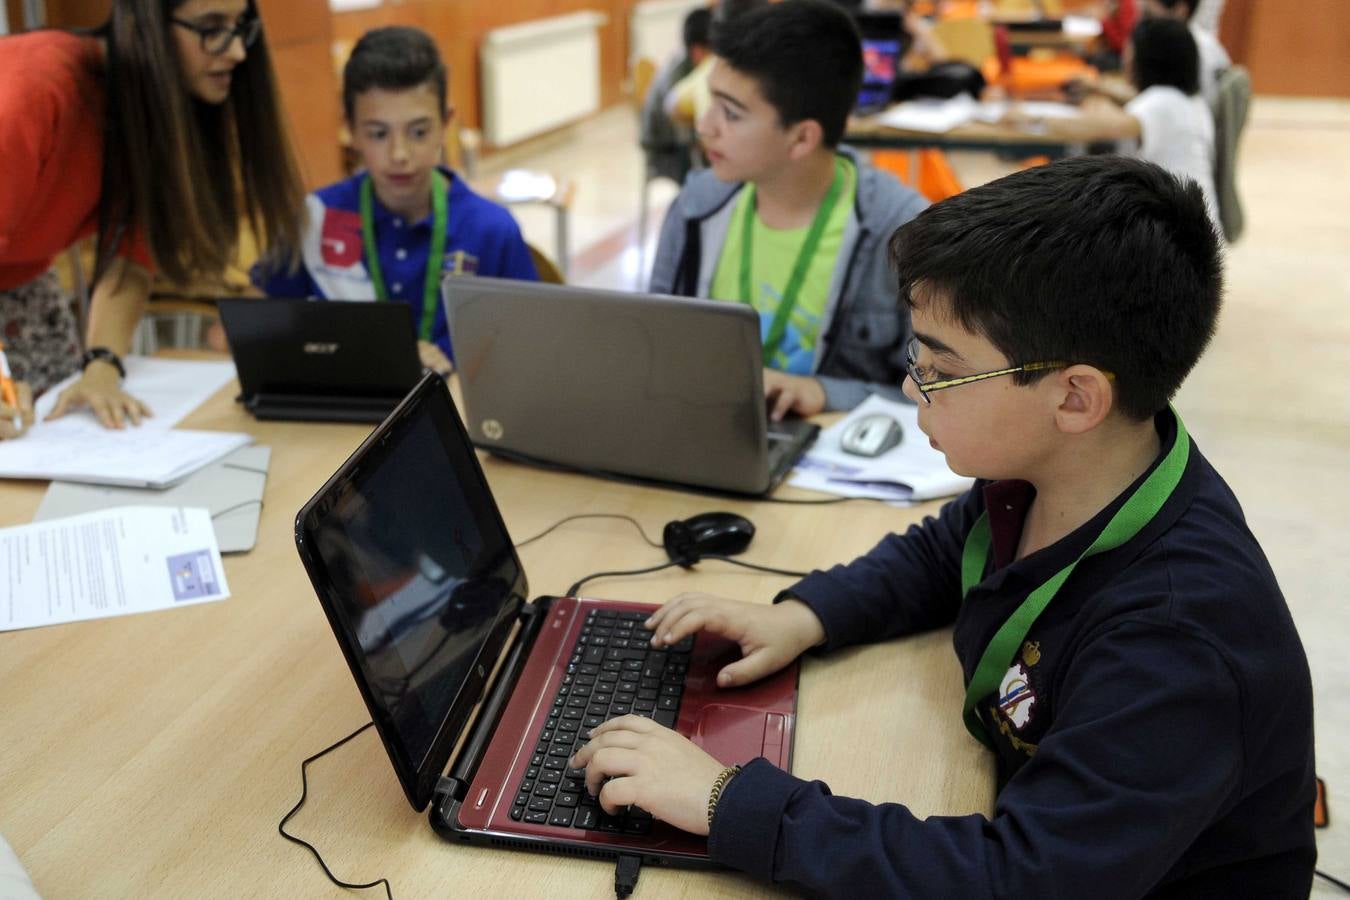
(51, 151)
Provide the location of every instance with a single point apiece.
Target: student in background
(161, 133)
(1213, 58)
(393, 231)
(689, 99)
(668, 144)
(1167, 122)
(1116, 25)
(785, 220)
(1130, 661)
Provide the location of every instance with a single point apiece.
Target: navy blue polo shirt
(481, 239)
(1153, 734)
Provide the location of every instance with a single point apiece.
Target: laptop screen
(416, 571)
(884, 43)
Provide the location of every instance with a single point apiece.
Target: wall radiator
(656, 29)
(539, 75)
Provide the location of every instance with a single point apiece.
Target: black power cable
(304, 793)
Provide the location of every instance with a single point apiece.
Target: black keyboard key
(537, 818)
(517, 812)
(545, 790)
(568, 800)
(550, 776)
(541, 804)
(561, 818)
(637, 826)
(664, 717)
(586, 817)
(668, 702)
(609, 823)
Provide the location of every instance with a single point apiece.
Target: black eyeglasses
(927, 385)
(216, 39)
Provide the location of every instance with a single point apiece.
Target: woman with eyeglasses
(161, 133)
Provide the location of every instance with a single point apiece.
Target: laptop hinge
(532, 617)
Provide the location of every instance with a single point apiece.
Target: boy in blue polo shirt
(392, 231)
(1128, 656)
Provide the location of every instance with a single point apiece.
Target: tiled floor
(1269, 403)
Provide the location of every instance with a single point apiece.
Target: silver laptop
(650, 387)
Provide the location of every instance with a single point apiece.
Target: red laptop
(424, 591)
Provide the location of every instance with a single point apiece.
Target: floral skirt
(38, 327)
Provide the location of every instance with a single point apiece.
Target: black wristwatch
(107, 356)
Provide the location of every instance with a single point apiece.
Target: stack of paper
(110, 563)
(76, 447)
(933, 116)
(909, 472)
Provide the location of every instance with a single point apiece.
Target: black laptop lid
(329, 348)
(417, 574)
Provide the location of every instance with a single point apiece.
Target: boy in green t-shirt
(785, 220)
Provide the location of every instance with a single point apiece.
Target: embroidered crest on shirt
(1016, 696)
(460, 263)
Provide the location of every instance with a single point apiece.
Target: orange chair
(927, 171)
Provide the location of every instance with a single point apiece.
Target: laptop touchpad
(737, 734)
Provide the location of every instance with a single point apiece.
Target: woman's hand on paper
(100, 388)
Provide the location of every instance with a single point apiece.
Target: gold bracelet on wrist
(716, 793)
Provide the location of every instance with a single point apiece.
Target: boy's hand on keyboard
(649, 766)
(800, 394)
(770, 636)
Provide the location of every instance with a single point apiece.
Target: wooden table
(153, 755)
(867, 131)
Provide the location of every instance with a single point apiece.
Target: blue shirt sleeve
(1145, 750)
(275, 280)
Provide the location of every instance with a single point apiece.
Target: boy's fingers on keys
(617, 794)
(608, 762)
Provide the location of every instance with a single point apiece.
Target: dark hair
(1165, 54)
(1173, 4)
(697, 28)
(395, 59)
(185, 172)
(806, 57)
(1102, 260)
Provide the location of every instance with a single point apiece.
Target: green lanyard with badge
(1138, 510)
(435, 259)
(805, 256)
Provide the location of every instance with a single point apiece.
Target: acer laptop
(329, 360)
(480, 694)
(656, 388)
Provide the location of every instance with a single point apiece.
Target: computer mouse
(871, 435)
(712, 533)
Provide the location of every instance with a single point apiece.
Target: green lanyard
(431, 284)
(1128, 521)
(805, 256)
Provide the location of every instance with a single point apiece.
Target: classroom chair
(1230, 117)
(644, 70)
(927, 171)
(548, 272)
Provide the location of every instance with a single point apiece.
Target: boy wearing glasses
(393, 231)
(1129, 658)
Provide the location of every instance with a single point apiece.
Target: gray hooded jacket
(864, 329)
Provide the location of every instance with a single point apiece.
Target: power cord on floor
(304, 793)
